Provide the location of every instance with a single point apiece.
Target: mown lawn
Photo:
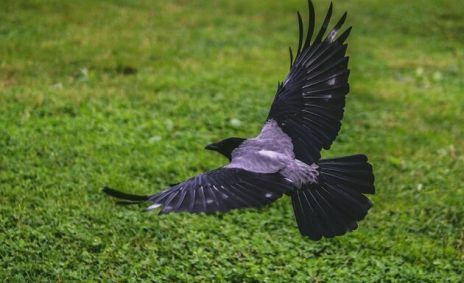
(127, 93)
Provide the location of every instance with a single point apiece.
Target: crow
(305, 117)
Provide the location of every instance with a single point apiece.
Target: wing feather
(222, 189)
(309, 104)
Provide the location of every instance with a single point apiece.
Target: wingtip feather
(124, 196)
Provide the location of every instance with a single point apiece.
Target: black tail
(333, 206)
(126, 198)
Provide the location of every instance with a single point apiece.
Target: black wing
(222, 189)
(309, 104)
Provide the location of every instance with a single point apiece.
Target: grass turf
(127, 93)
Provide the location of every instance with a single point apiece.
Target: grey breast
(270, 152)
(271, 138)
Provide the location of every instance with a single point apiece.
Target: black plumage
(218, 190)
(222, 190)
(309, 104)
(335, 204)
(327, 194)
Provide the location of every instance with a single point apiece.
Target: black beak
(211, 147)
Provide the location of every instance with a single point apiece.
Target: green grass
(127, 93)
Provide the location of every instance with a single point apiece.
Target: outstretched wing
(309, 104)
(222, 189)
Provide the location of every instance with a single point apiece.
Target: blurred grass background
(127, 93)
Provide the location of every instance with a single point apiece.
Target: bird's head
(226, 146)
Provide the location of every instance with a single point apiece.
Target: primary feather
(309, 104)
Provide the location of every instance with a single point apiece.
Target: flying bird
(285, 157)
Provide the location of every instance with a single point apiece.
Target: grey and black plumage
(327, 194)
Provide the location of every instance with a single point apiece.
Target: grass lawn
(127, 93)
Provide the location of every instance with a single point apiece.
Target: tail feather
(351, 171)
(333, 206)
